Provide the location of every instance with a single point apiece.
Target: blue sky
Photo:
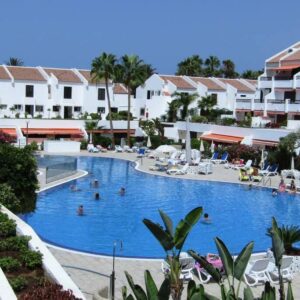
(70, 33)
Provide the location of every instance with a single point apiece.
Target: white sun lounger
(256, 272)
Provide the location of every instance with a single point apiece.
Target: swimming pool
(238, 215)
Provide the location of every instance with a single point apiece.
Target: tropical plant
(5, 138)
(152, 292)
(289, 236)
(14, 61)
(18, 283)
(184, 100)
(206, 104)
(212, 64)
(250, 74)
(133, 72)
(148, 126)
(103, 67)
(32, 259)
(19, 171)
(159, 127)
(191, 66)
(173, 107)
(172, 242)
(9, 264)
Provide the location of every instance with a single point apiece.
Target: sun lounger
(214, 156)
(205, 168)
(118, 148)
(270, 171)
(243, 176)
(178, 171)
(286, 270)
(91, 148)
(247, 165)
(222, 160)
(101, 149)
(256, 272)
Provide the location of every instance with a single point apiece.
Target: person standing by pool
(80, 210)
(281, 187)
(293, 188)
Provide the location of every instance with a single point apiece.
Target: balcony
(297, 82)
(283, 82)
(294, 107)
(276, 105)
(243, 104)
(265, 82)
(258, 105)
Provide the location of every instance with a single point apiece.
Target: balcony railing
(276, 101)
(266, 78)
(258, 101)
(283, 78)
(243, 100)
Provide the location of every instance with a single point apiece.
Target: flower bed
(23, 267)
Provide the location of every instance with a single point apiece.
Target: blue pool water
(238, 215)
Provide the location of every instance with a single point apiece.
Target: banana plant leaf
(137, 290)
(242, 260)
(184, 227)
(152, 292)
(289, 295)
(277, 243)
(168, 222)
(248, 295)
(162, 236)
(225, 257)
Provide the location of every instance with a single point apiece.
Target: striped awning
(220, 138)
(264, 143)
(53, 131)
(10, 131)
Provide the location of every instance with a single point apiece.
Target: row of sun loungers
(257, 272)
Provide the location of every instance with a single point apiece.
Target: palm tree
(212, 63)
(206, 104)
(172, 111)
(250, 74)
(159, 127)
(103, 67)
(191, 66)
(14, 61)
(228, 69)
(133, 72)
(184, 100)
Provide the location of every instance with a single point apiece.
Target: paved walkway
(91, 273)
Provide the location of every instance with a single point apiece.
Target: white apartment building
(153, 97)
(279, 86)
(54, 93)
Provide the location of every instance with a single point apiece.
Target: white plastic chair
(177, 171)
(286, 270)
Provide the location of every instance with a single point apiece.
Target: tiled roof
(63, 75)
(3, 74)
(252, 81)
(208, 82)
(120, 89)
(25, 73)
(279, 56)
(178, 81)
(237, 84)
(87, 75)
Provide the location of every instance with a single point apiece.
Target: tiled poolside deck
(91, 273)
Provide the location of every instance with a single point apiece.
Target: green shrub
(18, 283)
(228, 121)
(104, 141)
(32, 259)
(83, 144)
(9, 199)
(34, 146)
(8, 264)
(195, 143)
(95, 116)
(244, 152)
(14, 243)
(199, 119)
(7, 228)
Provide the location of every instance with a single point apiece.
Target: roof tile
(241, 87)
(63, 75)
(208, 82)
(178, 81)
(3, 74)
(25, 73)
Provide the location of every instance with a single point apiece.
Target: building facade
(279, 86)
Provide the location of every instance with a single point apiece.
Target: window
(67, 92)
(142, 111)
(29, 91)
(148, 94)
(39, 108)
(77, 109)
(56, 108)
(101, 94)
(101, 110)
(243, 96)
(114, 109)
(3, 106)
(214, 97)
(18, 107)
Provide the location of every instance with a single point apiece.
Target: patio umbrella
(212, 147)
(188, 153)
(165, 149)
(149, 142)
(292, 163)
(201, 148)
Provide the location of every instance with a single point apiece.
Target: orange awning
(276, 113)
(265, 143)
(132, 131)
(228, 139)
(285, 68)
(53, 131)
(10, 131)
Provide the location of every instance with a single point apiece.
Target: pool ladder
(265, 181)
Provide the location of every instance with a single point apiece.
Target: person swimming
(95, 183)
(97, 196)
(122, 191)
(274, 192)
(206, 219)
(282, 186)
(74, 188)
(80, 210)
(293, 188)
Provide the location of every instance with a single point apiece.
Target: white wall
(61, 146)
